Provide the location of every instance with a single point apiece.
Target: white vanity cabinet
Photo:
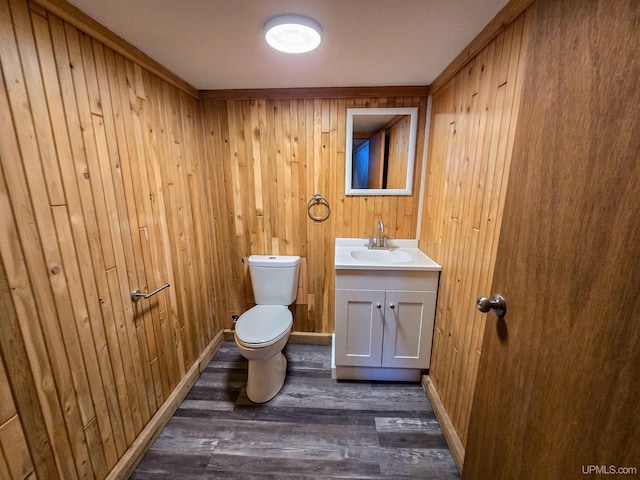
(383, 323)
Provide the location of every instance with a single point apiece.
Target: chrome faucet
(379, 242)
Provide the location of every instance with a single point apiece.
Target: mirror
(380, 150)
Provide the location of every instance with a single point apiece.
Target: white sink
(393, 255)
(354, 254)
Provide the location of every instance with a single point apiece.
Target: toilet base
(266, 378)
(267, 369)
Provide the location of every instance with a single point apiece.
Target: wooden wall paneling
(200, 337)
(162, 190)
(123, 225)
(120, 162)
(78, 188)
(81, 53)
(330, 229)
(33, 82)
(147, 200)
(4, 468)
(461, 333)
(296, 199)
(235, 271)
(245, 165)
(263, 190)
(473, 121)
(213, 133)
(16, 461)
(255, 193)
(43, 258)
(244, 160)
(269, 170)
(316, 253)
(192, 142)
(167, 222)
(476, 95)
(14, 451)
(518, 63)
(289, 170)
(101, 184)
(502, 20)
(99, 173)
(7, 407)
(210, 286)
(74, 16)
(184, 226)
(273, 155)
(458, 167)
(279, 179)
(274, 170)
(341, 219)
(113, 105)
(433, 200)
(122, 155)
(510, 81)
(78, 262)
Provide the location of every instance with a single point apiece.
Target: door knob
(497, 303)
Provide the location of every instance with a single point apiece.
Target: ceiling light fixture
(293, 33)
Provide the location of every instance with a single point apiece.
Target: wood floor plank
(315, 428)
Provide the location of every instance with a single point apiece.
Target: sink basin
(403, 254)
(393, 256)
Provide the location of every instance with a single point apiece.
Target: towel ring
(316, 200)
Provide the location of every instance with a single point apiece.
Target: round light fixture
(293, 33)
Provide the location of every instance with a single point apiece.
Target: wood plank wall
(112, 179)
(15, 459)
(473, 122)
(103, 190)
(271, 155)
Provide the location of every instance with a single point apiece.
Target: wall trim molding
(315, 92)
(86, 24)
(502, 20)
(450, 434)
(127, 464)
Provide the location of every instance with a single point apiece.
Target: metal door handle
(497, 303)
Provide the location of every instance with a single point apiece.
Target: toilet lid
(263, 324)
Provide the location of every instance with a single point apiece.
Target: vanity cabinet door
(408, 329)
(359, 327)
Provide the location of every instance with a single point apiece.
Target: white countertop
(344, 260)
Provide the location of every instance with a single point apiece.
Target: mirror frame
(413, 128)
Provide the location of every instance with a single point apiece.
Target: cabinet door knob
(392, 306)
(378, 306)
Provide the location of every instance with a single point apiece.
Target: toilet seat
(263, 325)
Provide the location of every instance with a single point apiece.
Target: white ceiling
(219, 44)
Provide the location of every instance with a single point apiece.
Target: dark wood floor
(315, 428)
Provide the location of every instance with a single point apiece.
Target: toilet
(262, 331)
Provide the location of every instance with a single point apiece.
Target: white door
(408, 329)
(359, 327)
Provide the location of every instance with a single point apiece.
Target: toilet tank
(274, 278)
